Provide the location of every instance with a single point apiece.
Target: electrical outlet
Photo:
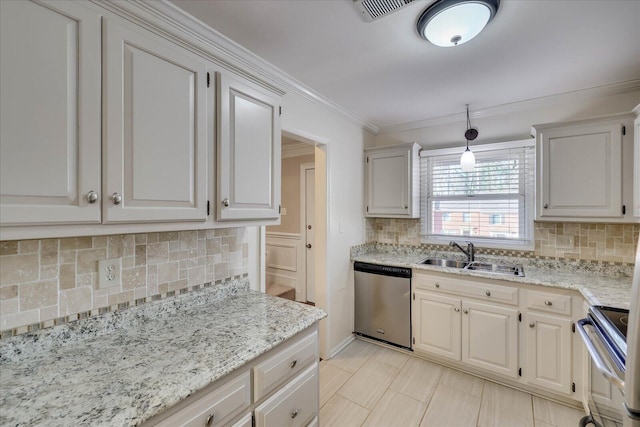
(564, 242)
(109, 273)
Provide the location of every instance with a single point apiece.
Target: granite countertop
(122, 368)
(599, 284)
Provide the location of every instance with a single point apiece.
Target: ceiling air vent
(371, 10)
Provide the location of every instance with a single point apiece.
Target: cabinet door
(581, 171)
(388, 178)
(549, 352)
(155, 128)
(437, 324)
(248, 151)
(50, 113)
(636, 167)
(490, 337)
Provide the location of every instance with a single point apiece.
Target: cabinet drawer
(221, 403)
(475, 289)
(552, 303)
(284, 365)
(294, 405)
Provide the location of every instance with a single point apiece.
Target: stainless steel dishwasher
(383, 303)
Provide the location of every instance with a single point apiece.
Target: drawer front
(552, 303)
(221, 403)
(294, 405)
(284, 365)
(480, 290)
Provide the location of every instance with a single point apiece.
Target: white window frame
(526, 212)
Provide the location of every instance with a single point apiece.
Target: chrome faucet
(469, 252)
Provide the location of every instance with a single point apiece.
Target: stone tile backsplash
(52, 281)
(592, 242)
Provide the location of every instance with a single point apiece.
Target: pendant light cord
(468, 127)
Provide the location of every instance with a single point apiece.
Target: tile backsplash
(591, 242)
(50, 281)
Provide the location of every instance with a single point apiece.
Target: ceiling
(385, 73)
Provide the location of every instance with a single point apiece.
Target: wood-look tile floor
(369, 385)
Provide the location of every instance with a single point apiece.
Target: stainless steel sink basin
(451, 263)
(511, 270)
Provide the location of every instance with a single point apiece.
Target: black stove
(610, 324)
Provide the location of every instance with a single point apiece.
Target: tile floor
(369, 385)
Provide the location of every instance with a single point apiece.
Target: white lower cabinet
(246, 421)
(437, 324)
(294, 405)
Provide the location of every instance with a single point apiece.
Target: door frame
(303, 228)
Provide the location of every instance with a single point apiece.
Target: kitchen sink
(451, 263)
(510, 270)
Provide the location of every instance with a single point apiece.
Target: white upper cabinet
(392, 181)
(248, 151)
(50, 113)
(155, 121)
(582, 173)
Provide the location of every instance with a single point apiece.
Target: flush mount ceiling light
(468, 160)
(452, 22)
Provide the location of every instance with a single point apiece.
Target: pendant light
(468, 160)
(453, 22)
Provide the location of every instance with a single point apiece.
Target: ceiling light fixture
(452, 22)
(468, 160)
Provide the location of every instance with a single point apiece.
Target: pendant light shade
(452, 22)
(468, 159)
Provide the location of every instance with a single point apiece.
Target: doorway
(307, 221)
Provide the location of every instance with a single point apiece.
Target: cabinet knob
(437, 285)
(406, 207)
(225, 203)
(465, 311)
(294, 413)
(548, 303)
(456, 309)
(92, 197)
(209, 421)
(116, 198)
(309, 226)
(294, 363)
(487, 293)
(546, 205)
(532, 324)
(308, 245)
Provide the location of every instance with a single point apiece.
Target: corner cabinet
(248, 151)
(392, 181)
(582, 172)
(155, 144)
(50, 113)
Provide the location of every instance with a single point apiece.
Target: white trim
(297, 149)
(337, 349)
(302, 136)
(513, 107)
(480, 147)
(282, 235)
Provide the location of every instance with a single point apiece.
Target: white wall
(345, 193)
(515, 123)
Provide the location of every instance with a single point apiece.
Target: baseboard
(341, 346)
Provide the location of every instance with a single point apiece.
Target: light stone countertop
(121, 368)
(600, 285)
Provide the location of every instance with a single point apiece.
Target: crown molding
(594, 92)
(229, 54)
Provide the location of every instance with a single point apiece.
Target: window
(491, 206)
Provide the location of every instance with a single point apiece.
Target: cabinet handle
(225, 203)
(294, 413)
(294, 363)
(456, 309)
(546, 205)
(437, 285)
(548, 303)
(209, 421)
(92, 197)
(487, 293)
(465, 311)
(532, 324)
(116, 198)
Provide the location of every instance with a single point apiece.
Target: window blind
(493, 204)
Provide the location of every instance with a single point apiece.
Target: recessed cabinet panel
(437, 324)
(155, 151)
(248, 160)
(580, 171)
(50, 113)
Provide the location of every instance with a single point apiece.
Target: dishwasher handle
(597, 358)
